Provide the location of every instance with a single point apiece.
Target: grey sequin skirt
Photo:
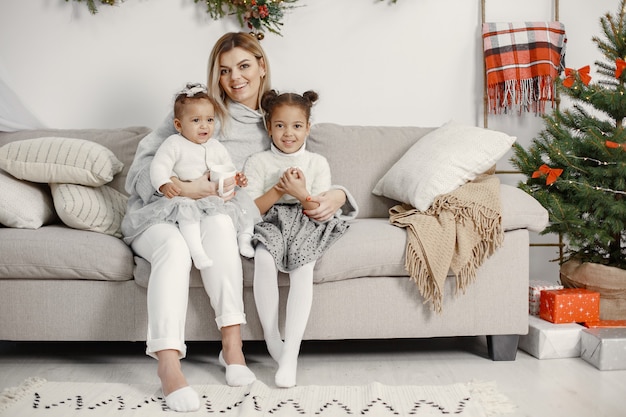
(241, 209)
(293, 238)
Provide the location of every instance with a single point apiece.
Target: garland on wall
(256, 15)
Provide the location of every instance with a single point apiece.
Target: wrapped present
(604, 348)
(605, 323)
(547, 340)
(534, 294)
(570, 305)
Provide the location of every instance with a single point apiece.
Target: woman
(239, 74)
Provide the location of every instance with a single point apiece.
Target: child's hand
(241, 179)
(169, 190)
(293, 182)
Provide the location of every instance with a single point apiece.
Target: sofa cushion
(360, 155)
(59, 159)
(521, 211)
(442, 161)
(122, 142)
(58, 252)
(370, 248)
(24, 204)
(98, 209)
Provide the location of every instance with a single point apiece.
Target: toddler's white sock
(245, 245)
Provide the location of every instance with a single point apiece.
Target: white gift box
(534, 294)
(604, 348)
(547, 340)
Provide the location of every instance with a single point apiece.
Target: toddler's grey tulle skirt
(241, 209)
(293, 238)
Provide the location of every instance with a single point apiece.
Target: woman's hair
(191, 93)
(226, 43)
(271, 99)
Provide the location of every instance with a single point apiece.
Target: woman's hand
(202, 187)
(329, 202)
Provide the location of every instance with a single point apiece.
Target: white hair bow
(192, 89)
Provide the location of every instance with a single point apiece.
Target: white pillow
(440, 162)
(98, 209)
(63, 160)
(23, 204)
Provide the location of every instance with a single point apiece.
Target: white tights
(297, 315)
(168, 290)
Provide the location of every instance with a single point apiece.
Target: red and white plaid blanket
(522, 60)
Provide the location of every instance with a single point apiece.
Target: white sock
(298, 310)
(245, 244)
(183, 400)
(266, 299)
(237, 375)
(191, 234)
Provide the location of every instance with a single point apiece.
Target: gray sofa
(63, 284)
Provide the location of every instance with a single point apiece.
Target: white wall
(417, 62)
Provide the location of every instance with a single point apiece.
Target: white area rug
(37, 397)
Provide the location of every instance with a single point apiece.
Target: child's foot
(245, 245)
(287, 369)
(201, 261)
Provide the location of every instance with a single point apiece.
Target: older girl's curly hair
(272, 99)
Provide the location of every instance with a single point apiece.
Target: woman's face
(240, 76)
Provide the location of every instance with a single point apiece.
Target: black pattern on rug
(67, 399)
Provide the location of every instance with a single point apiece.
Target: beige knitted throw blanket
(457, 233)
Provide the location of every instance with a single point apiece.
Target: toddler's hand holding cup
(218, 174)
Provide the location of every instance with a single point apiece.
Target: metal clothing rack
(560, 243)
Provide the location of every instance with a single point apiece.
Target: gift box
(547, 340)
(605, 323)
(534, 294)
(570, 305)
(604, 348)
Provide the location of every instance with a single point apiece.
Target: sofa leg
(502, 347)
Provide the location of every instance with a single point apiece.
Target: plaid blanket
(522, 60)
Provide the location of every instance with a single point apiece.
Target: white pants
(168, 289)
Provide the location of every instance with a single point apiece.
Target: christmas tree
(576, 167)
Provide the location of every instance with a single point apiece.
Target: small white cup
(218, 174)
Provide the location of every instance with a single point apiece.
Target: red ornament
(620, 65)
(570, 76)
(551, 173)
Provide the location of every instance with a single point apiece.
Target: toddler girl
(188, 155)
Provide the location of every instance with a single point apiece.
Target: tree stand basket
(609, 281)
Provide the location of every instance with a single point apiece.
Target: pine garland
(576, 167)
(257, 15)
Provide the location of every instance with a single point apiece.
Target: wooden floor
(538, 388)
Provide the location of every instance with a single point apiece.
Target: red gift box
(605, 323)
(570, 305)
